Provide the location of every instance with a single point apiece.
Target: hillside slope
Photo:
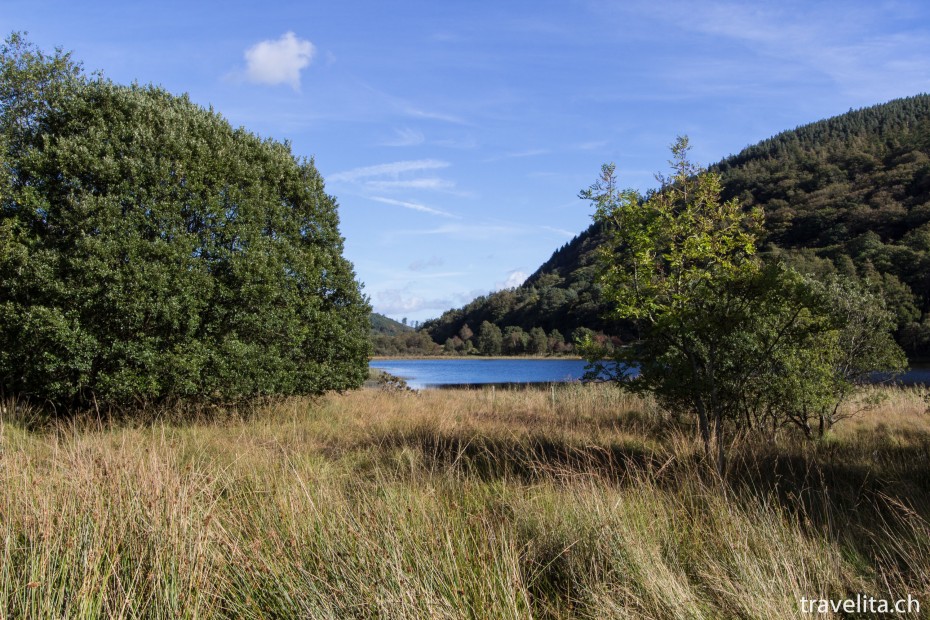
(849, 194)
(387, 326)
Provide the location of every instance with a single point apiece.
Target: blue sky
(457, 135)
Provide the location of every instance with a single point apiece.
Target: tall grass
(573, 502)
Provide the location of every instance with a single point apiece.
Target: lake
(420, 373)
(424, 373)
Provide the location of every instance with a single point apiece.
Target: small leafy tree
(556, 343)
(490, 339)
(465, 333)
(515, 340)
(861, 345)
(539, 342)
(719, 333)
(662, 258)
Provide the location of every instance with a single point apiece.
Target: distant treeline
(489, 340)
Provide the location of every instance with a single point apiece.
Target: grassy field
(578, 502)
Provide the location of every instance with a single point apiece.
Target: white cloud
(399, 302)
(391, 169)
(414, 206)
(396, 301)
(514, 279)
(279, 61)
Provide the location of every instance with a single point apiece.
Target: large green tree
(149, 251)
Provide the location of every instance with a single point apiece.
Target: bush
(151, 252)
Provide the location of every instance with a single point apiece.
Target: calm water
(438, 372)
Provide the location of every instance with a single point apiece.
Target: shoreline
(383, 358)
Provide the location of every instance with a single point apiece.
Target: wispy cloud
(433, 183)
(446, 37)
(425, 263)
(480, 232)
(560, 231)
(466, 142)
(391, 169)
(435, 116)
(591, 145)
(405, 137)
(840, 44)
(519, 154)
(414, 206)
(279, 61)
(440, 275)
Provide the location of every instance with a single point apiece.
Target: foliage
(408, 342)
(392, 383)
(490, 339)
(465, 333)
(669, 263)
(151, 252)
(720, 334)
(859, 347)
(515, 340)
(556, 342)
(539, 343)
(660, 254)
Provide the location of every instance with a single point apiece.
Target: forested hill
(849, 194)
(383, 325)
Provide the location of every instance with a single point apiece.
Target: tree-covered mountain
(850, 194)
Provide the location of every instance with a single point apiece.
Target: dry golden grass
(574, 502)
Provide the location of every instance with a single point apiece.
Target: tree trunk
(703, 420)
(718, 437)
(704, 425)
(715, 409)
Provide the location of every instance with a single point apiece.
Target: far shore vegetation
(489, 340)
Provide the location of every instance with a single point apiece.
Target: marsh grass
(523, 503)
